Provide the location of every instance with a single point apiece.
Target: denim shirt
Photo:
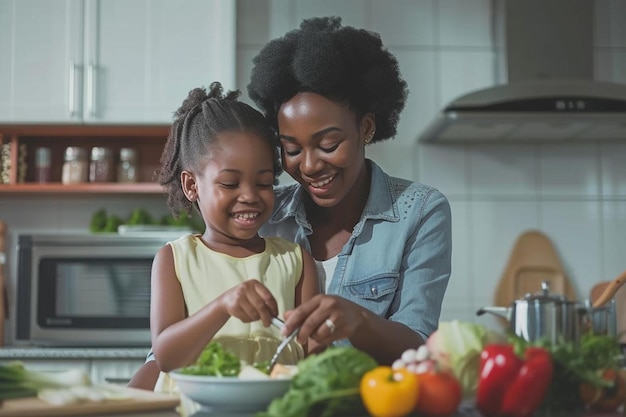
(397, 262)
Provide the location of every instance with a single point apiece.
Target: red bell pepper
(510, 386)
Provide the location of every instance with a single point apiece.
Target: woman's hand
(250, 301)
(324, 318)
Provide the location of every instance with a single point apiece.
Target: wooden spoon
(610, 290)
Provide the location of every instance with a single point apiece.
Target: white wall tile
(464, 71)
(502, 170)
(244, 69)
(352, 12)
(461, 285)
(465, 23)
(394, 157)
(253, 18)
(614, 244)
(610, 65)
(418, 70)
(610, 23)
(494, 228)
(569, 170)
(29, 213)
(575, 230)
(443, 167)
(613, 168)
(408, 22)
(282, 17)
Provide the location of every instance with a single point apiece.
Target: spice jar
(42, 165)
(127, 169)
(75, 168)
(101, 166)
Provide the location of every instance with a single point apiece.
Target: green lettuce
(327, 384)
(456, 346)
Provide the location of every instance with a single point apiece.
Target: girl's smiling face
(234, 190)
(323, 146)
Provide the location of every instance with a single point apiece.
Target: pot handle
(610, 290)
(498, 311)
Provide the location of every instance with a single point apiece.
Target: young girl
(226, 284)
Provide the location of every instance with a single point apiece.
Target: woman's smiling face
(323, 146)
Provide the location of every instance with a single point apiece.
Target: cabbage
(456, 346)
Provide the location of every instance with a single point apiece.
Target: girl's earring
(370, 137)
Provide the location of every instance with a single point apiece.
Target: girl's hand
(324, 318)
(250, 301)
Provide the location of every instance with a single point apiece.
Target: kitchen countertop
(38, 352)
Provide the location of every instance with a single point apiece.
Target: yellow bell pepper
(389, 393)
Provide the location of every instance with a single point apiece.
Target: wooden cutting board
(139, 401)
(533, 260)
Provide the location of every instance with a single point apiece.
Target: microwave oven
(85, 290)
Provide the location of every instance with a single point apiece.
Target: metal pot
(542, 316)
(601, 320)
(601, 317)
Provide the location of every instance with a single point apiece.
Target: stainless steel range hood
(550, 95)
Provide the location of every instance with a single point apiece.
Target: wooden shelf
(87, 188)
(147, 140)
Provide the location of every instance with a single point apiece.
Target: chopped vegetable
(16, 381)
(389, 393)
(214, 361)
(326, 384)
(251, 372)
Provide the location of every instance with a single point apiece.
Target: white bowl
(231, 394)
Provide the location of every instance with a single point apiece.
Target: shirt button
(374, 291)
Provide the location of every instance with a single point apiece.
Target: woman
(382, 244)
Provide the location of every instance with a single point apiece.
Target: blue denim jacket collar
(381, 203)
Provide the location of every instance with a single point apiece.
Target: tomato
(440, 394)
(605, 399)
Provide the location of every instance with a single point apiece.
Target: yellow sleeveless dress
(205, 274)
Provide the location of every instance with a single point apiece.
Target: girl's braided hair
(344, 64)
(202, 116)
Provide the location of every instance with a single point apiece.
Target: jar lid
(128, 154)
(98, 153)
(42, 156)
(73, 153)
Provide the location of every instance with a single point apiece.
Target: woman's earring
(370, 137)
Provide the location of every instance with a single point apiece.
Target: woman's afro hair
(343, 64)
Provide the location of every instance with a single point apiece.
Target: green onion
(17, 382)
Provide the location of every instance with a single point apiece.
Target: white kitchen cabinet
(110, 61)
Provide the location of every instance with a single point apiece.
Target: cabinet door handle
(91, 89)
(72, 87)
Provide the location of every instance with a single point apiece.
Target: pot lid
(544, 294)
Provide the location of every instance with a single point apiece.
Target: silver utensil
(280, 324)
